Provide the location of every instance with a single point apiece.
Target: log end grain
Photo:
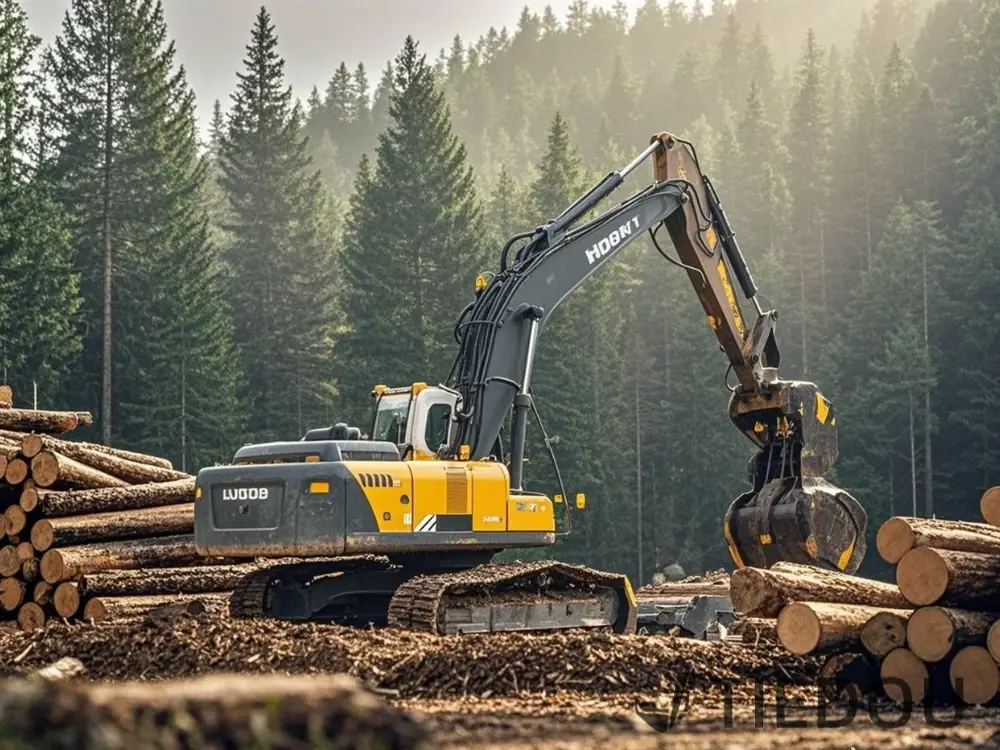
(993, 640)
(31, 570)
(29, 498)
(66, 599)
(883, 633)
(14, 520)
(904, 677)
(12, 592)
(9, 562)
(42, 593)
(24, 551)
(95, 610)
(894, 539)
(974, 675)
(799, 629)
(31, 445)
(45, 469)
(53, 566)
(16, 471)
(989, 506)
(751, 594)
(922, 576)
(42, 535)
(30, 617)
(930, 633)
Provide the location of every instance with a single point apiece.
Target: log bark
(963, 580)
(48, 422)
(907, 680)
(66, 599)
(30, 617)
(6, 397)
(9, 563)
(989, 506)
(49, 468)
(16, 471)
(974, 675)
(102, 608)
(758, 592)
(163, 581)
(884, 632)
(32, 445)
(849, 676)
(14, 521)
(102, 527)
(135, 472)
(12, 593)
(820, 627)
(78, 502)
(60, 565)
(897, 536)
(934, 633)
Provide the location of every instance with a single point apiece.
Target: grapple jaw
(792, 513)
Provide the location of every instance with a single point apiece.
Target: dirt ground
(558, 690)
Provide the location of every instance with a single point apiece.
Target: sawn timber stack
(88, 531)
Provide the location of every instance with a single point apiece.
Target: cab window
(390, 421)
(438, 419)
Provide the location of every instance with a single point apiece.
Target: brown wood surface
(135, 472)
(811, 627)
(32, 445)
(101, 608)
(71, 562)
(49, 469)
(963, 580)
(974, 675)
(79, 502)
(883, 632)
(30, 617)
(12, 594)
(16, 471)
(99, 527)
(66, 599)
(899, 535)
(989, 506)
(49, 422)
(934, 633)
(162, 581)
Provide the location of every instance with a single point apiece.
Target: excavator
(399, 526)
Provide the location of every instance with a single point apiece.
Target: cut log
(12, 593)
(53, 503)
(29, 496)
(16, 471)
(66, 599)
(49, 422)
(32, 445)
(10, 565)
(907, 680)
(756, 631)
(974, 675)
(811, 627)
(964, 580)
(934, 633)
(849, 676)
(135, 472)
(100, 527)
(883, 632)
(30, 617)
(758, 592)
(49, 468)
(102, 608)
(6, 397)
(60, 565)
(989, 506)
(899, 535)
(993, 640)
(24, 551)
(163, 581)
(65, 669)
(31, 570)
(42, 593)
(14, 521)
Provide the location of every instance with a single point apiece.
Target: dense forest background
(199, 295)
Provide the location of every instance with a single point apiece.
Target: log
(42, 593)
(964, 580)
(810, 627)
(758, 592)
(907, 680)
(66, 599)
(755, 630)
(78, 502)
(24, 551)
(64, 669)
(12, 593)
(60, 565)
(993, 640)
(849, 676)
(30, 617)
(6, 397)
(102, 608)
(162, 581)
(29, 496)
(31, 570)
(49, 422)
(9, 564)
(989, 506)
(897, 536)
(16, 471)
(32, 445)
(883, 632)
(934, 633)
(49, 467)
(101, 527)
(14, 521)
(974, 675)
(136, 472)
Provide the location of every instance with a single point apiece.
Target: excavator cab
(418, 418)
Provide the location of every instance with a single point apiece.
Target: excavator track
(539, 595)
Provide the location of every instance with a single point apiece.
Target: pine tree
(413, 241)
(282, 250)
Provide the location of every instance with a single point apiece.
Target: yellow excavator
(399, 526)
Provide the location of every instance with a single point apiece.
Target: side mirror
(581, 500)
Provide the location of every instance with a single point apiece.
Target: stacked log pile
(932, 637)
(88, 531)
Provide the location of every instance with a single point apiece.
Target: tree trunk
(53, 503)
(899, 535)
(849, 676)
(908, 680)
(974, 675)
(884, 632)
(810, 627)
(162, 581)
(130, 471)
(32, 445)
(49, 468)
(757, 592)
(100, 527)
(989, 506)
(135, 606)
(964, 580)
(48, 422)
(934, 633)
(71, 562)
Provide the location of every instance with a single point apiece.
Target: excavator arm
(792, 512)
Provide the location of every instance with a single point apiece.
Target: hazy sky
(313, 35)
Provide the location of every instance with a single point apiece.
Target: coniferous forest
(200, 290)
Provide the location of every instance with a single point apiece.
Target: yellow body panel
(490, 491)
(530, 513)
(388, 485)
(430, 489)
